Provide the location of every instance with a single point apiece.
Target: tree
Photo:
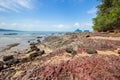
(108, 16)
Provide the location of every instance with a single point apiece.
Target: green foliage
(108, 16)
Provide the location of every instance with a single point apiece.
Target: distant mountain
(7, 30)
(86, 31)
(78, 30)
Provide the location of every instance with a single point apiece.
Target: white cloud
(41, 26)
(59, 26)
(7, 25)
(15, 5)
(24, 3)
(77, 25)
(92, 11)
(2, 24)
(83, 26)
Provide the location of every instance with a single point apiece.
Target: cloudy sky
(47, 15)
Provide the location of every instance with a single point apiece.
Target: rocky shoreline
(73, 56)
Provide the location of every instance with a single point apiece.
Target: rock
(29, 41)
(23, 60)
(13, 45)
(37, 49)
(34, 48)
(11, 62)
(69, 50)
(1, 65)
(18, 53)
(42, 52)
(33, 55)
(87, 36)
(8, 47)
(102, 67)
(11, 34)
(38, 41)
(6, 58)
(118, 51)
(74, 53)
(32, 43)
(91, 51)
(16, 61)
(39, 37)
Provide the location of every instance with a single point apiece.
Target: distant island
(7, 30)
(78, 30)
(86, 31)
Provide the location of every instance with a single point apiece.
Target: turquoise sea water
(22, 37)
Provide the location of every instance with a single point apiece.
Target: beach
(59, 39)
(71, 56)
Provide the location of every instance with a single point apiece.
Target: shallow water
(22, 37)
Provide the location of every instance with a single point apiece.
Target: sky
(47, 15)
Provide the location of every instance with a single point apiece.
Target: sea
(22, 37)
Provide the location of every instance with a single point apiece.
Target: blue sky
(47, 15)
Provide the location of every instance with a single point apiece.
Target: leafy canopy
(108, 16)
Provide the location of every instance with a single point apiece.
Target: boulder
(69, 50)
(38, 41)
(91, 51)
(11, 62)
(87, 36)
(11, 34)
(13, 45)
(118, 51)
(33, 55)
(1, 65)
(74, 53)
(9, 57)
(34, 48)
(28, 41)
(42, 52)
(23, 60)
(39, 37)
(32, 43)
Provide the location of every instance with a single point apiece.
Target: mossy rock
(34, 48)
(11, 62)
(74, 53)
(87, 36)
(1, 65)
(32, 43)
(91, 51)
(118, 51)
(33, 55)
(42, 52)
(23, 60)
(69, 50)
(9, 57)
